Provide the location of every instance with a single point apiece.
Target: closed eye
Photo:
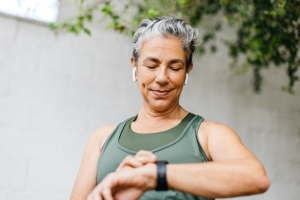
(175, 69)
(151, 67)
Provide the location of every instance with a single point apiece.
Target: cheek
(177, 79)
(145, 78)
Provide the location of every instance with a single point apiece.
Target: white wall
(55, 91)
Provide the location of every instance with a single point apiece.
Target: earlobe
(133, 74)
(186, 78)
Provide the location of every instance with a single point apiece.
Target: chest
(154, 126)
(185, 149)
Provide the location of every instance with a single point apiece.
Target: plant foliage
(267, 31)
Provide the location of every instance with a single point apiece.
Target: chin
(161, 105)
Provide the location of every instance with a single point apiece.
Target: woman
(206, 159)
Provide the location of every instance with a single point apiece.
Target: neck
(149, 113)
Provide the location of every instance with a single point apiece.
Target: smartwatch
(161, 181)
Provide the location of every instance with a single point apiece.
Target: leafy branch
(267, 31)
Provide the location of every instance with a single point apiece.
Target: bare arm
(86, 178)
(235, 171)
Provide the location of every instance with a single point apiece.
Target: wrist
(149, 173)
(161, 181)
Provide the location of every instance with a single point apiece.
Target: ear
(133, 68)
(190, 68)
(133, 64)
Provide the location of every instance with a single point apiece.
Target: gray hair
(166, 26)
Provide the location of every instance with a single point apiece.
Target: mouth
(160, 93)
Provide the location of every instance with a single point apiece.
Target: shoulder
(99, 136)
(103, 131)
(211, 128)
(215, 136)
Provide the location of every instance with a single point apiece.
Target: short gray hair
(166, 26)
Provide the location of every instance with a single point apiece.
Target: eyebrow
(151, 59)
(157, 60)
(176, 61)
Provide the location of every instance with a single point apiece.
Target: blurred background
(55, 90)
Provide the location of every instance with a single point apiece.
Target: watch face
(40, 10)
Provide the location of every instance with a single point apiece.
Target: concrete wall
(55, 91)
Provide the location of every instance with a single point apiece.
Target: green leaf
(87, 31)
(53, 26)
(280, 11)
(182, 2)
(153, 12)
(107, 9)
(89, 17)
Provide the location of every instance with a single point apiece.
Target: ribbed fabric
(149, 141)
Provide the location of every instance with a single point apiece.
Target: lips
(160, 93)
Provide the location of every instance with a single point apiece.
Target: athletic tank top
(151, 141)
(184, 149)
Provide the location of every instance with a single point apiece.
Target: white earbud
(133, 74)
(186, 79)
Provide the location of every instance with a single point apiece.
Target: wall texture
(55, 91)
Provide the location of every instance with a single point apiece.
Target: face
(161, 71)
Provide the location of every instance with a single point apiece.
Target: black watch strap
(161, 181)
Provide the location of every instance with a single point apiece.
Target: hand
(139, 160)
(126, 183)
(130, 180)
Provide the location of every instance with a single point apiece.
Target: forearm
(218, 179)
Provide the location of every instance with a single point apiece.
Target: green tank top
(185, 148)
(151, 141)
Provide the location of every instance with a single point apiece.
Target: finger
(94, 196)
(103, 190)
(144, 153)
(129, 161)
(126, 168)
(146, 157)
(107, 194)
(89, 197)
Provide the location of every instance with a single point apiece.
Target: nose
(162, 76)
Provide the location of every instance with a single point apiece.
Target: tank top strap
(194, 129)
(113, 137)
(186, 148)
(191, 130)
